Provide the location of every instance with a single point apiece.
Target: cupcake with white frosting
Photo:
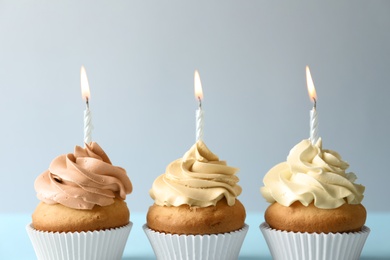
(315, 210)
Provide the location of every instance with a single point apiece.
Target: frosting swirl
(83, 179)
(198, 179)
(312, 174)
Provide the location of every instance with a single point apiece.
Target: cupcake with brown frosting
(196, 205)
(315, 206)
(82, 213)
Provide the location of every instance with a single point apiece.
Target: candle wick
(87, 102)
(200, 102)
(315, 103)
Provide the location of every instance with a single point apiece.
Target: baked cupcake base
(185, 219)
(300, 218)
(225, 246)
(304, 246)
(91, 245)
(59, 218)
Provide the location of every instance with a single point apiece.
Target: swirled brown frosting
(83, 179)
(312, 174)
(198, 179)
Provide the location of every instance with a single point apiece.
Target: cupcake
(82, 213)
(196, 213)
(315, 211)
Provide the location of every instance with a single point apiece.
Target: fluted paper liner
(91, 245)
(225, 246)
(304, 246)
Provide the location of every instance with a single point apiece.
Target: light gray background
(140, 58)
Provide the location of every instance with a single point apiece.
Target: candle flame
(198, 86)
(310, 86)
(84, 84)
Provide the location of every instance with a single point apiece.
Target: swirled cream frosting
(199, 179)
(83, 179)
(312, 174)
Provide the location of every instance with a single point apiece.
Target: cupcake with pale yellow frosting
(196, 211)
(82, 213)
(315, 210)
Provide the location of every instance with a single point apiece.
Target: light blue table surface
(15, 244)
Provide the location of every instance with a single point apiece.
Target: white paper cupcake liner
(194, 247)
(91, 245)
(285, 245)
